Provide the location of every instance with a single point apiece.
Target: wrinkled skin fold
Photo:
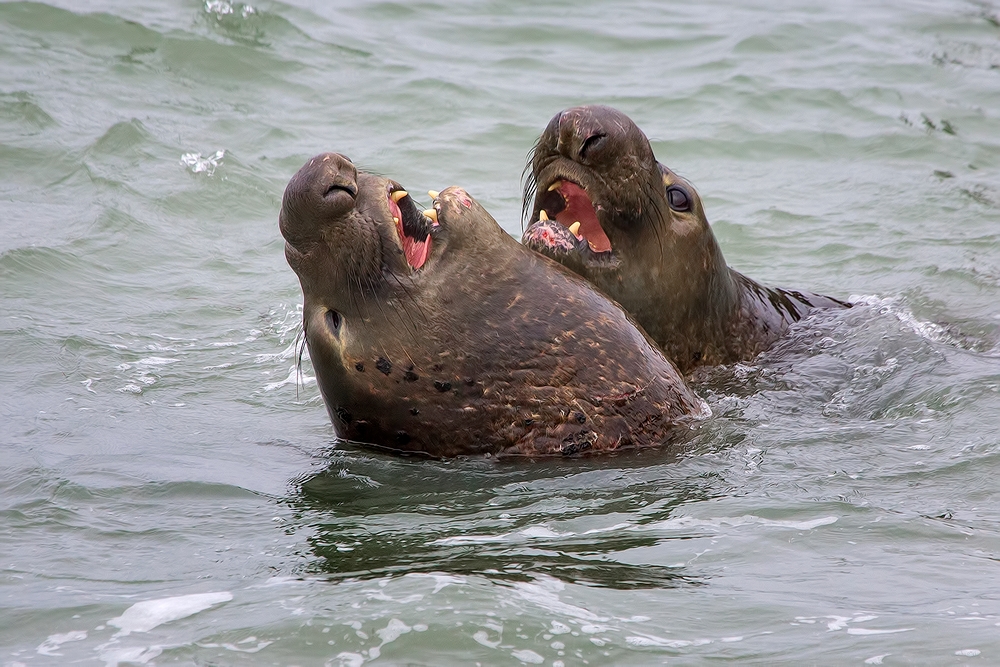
(644, 240)
(437, 333)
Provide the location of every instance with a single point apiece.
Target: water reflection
(368, 516)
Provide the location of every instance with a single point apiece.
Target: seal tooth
(395, 219)
(397, 195)
(433, 193)
(555, 186)
(574, 228)
(432, 214)
(542, 215)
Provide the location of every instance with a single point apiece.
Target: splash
(222, 8)
(203, 165)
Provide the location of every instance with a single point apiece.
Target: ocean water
(169, 494)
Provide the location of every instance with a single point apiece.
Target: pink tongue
(579, 209)
(416, 251)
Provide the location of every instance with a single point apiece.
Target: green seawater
(169, 495)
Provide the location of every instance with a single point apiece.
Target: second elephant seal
(643, 238)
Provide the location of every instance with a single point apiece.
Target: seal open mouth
(570, 205)
(567, 228)
(412, 226)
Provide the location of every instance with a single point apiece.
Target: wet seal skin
(601, 205)
(436, 332)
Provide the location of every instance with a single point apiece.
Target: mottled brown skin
(665, 266)
(487, 349)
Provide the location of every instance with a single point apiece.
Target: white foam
(652, 640)
(294, 376)
(542, 531)
(288, 353)
(52, 643)
(144, 616)
(472, 539)
(968, 652)
(838, 623)
(528, 656)
(529, 532)
(877, 659)
(348, 659)
(559, 628)
(483, 638)
(866, 631)
(890, 305)
(685, 522)
(392, 631)
(278, 581)
(442, 580)
(137, 655)
(157, 361)
(544, 592)
(233, 647)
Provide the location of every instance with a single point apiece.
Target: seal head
(436, 332)
(601, 205)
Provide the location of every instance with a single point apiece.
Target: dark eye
(678, 198)
(333, 320)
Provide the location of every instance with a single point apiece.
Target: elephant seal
(644, 240)
(436, 332)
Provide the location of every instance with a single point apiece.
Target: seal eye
(333, 320)
(678, 198)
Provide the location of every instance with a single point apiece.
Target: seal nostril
(592, 142)
(333, 320)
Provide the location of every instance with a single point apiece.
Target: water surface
(169, 495)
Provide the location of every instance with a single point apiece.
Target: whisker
(414, 302)
(301, 333)
(530, 184)
(660, 221)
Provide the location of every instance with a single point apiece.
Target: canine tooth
(542, 215)
(397, 195)
(433, 193)
(555, 186)
(395, 219)
(574, 228)
(432, 214)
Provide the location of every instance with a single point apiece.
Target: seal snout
(585, 131)
(329, 177)
(451, 204)
(578, 144)
(326, 187)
